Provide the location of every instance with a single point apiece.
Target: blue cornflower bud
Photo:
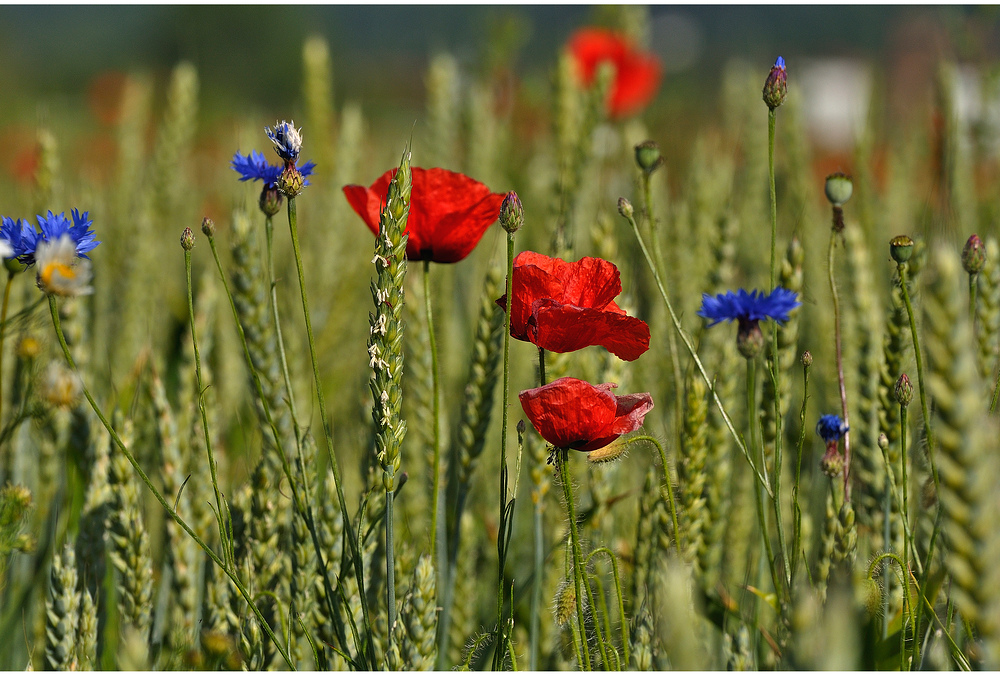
(776, 85)
(830, 427)
(287, 140)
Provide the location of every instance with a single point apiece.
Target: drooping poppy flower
(571, 413)
(562, 307)
(449, 212)
(637, 74)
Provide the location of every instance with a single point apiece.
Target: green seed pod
(904, 390)
(974, 255)
(187, 239)
(839, 188)
(901, 248)
(648, 157)
(511, 213)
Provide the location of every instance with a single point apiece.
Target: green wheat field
(275, 424)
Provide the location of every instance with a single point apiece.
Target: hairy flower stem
(438, 545)
(672, 505)
(840, 365)
(621, 604)
(3, 330)
(762, 478)
(579, 574)
(501, 544)
(352, 539)
(54, 311)
(303, 508)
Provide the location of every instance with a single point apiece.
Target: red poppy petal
(529, 283)
(635, 85)
(632, 410)
(365, 203)
(591, 46)
(565, 328)
(588, 282)
(570, 413)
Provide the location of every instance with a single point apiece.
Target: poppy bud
(776, 85)
(872, 592)
(187, 239)
(839, 188)
(749, 340)
(974, 255)
(208, 227)
(270, 201)
(901, 248)
(613, 451)
(807, 359)
(511, 213)
(904, 391)
(648, 157)
(625, 207)
(291, 181)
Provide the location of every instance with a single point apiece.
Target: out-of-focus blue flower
(748, 307)
(831, 427)
(21, 237)
(24, 239)
(254, 167)
(287, 140)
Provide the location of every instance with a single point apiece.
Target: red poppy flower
(449, 212)
(637, 74)
(563, 307)
(571, 413)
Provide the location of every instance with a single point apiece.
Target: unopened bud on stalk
(749, 339)
(901, 248)
(904, 391)
(291, 182)
(776, 85)
(511, 213)
(625, 207)
(270, 201)
(208, 227)
(839, 188)
(807, 359)
(883, 441)
(974, 255)
(648, 157)
(187, 239)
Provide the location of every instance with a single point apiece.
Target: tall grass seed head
(60, 386)
(839, 187)
(776, 85)
(61, 271)
(974, 255)
(904, 390)
(648, 157)
(187, 239)
(901, 248)
(511, 213)
(287, 140)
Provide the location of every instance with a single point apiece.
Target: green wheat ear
(988, 317)
(691, 470)
(966, 457)
(62, 612)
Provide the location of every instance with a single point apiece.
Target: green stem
(273, 285)
(536, 587)
(774, 200)
(541, 367)
(797, 534)
(755, 443)
(840, 366)
(776, 502)
(906, 483)
(497, 660)
(671, 504)
(54, 311)
(438, 545)
(928, 432)
(697, 360)
(328, 432)
(390, 572)
(3, 330)
(972, 297)
(996, 392)
(618, 590)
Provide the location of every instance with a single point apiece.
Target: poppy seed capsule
(187, 239)
(901, 248)
(648, 157)
(839, 188)
(776, 85)
(974, 255)
(625, 208)
(208, 227)
(511, 213)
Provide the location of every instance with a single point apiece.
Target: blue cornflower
(779, 63)
(748, 308)
(831, 428)
(287, 140)
(21, 237)
(254, 167)
(24, 239)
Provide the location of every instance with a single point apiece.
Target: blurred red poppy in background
(637, 74)
(571, 413)
(563, 307)
(449, 212)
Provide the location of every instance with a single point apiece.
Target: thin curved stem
(762, 478)
(774, 199)
(754, 443)
(352, 540)
(3, 331)
(54, 311)
(273, 286)
(928, 431)
(670, 485)
(618, 591)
